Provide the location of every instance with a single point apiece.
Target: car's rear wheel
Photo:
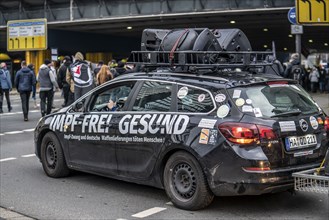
(52, 157)
(185, 183)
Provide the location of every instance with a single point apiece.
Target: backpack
(82, 75)
(296, 72)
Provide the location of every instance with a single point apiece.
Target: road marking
(17, 132)
(16, 113)
(28, 130)
(28, 155)
(14, 132)
(148, 212)
(169, 203)
(7, 159)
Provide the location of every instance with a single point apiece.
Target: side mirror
(78, 106)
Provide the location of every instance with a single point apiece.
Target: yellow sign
(314, 12)
(26, 35)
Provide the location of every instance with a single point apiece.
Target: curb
(7, 214)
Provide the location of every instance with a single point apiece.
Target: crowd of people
(76, 76)
(313, 79)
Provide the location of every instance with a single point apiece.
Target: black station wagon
(197, 123)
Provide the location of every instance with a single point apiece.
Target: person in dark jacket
(47, 82)
(295, 70)
(61, 80)
(5, 85)
(120, 69)
(24, 81)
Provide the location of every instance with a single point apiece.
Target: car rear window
(277, 99)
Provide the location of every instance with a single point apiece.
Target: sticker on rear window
(182, 92)
(239, 102)
(257, 112)
(204, 136)
(220, 98)
(207, 123)
(201, 97)
(249, 101)
(236, 94)
(314, 123)
(223, 111)
(287, 126)
(247, 108)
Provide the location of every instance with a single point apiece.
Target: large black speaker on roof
(178, 40)
(152, 38)
(232, 40)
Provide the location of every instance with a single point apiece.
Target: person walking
(81, 75)
(47, 83)
(34, 88)
(294, 69)
(61, 79)
(6, 86)
(314, 79)
(24, 81)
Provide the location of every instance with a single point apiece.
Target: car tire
(52, 157)
(185, 183)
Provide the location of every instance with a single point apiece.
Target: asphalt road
(24, 188)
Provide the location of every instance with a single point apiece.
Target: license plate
(295, 142)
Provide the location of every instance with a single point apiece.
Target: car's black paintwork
(223, 162)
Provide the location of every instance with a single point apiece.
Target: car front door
(92, 134)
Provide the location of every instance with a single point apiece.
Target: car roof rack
(199, 50)
(202, 58)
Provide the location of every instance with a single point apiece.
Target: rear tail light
(326, 124)
(246, 134)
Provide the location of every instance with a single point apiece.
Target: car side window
(111, 99)
(194, 100)
(153, 96)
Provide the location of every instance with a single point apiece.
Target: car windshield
(273, 100)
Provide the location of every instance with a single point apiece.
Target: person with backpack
(24, 81)
(81, 76)
(47, 83)
(295, 70)
(5, 85)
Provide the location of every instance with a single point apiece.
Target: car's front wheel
(52, 157)
(185, 183)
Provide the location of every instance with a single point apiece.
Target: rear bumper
(255, 182)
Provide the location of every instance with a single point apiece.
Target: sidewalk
(7, 214)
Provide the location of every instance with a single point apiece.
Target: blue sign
(292, 15)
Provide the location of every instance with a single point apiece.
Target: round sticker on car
(201, 97)
(223, 111)
(239, 102)
(220, 98)
(182, 92)
(248, 101)
(314, 123)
